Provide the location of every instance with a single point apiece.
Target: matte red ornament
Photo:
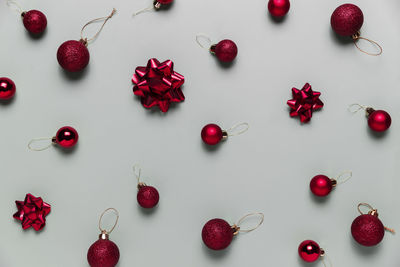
(304, 102)
(66, 137)
(34, 21)
(322, 185)
(217, 234)
(310, 251)
(32, 212)
(103, 253)
(226, 50)
(347, 20)
(378, 120)
(7, 88)
(147, 196)
(73, 55)
(278, 8)
(158, 84)
(367, 230)
(212, 134)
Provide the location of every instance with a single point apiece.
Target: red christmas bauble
(147, 197)
(367, 230)
(103, 253)
(66, 137)
(217, 234)
(73, 56)
(226, 50)
(211, 134)
(278, 8)
(7, 88)
(379, 120)
(34, 21)
(309, 251)
(321, 185)
(347, 20)
(165, 2)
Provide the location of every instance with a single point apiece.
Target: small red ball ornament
(321, 185)
(378, 120)
(310, 251)
(66, 137)
(347, 20)
(7, 88)
(147, 196)
(212, 134)
(34, 21)
(278, 8)
(104, 252)
(226, 50)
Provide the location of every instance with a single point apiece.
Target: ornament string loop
(357, 37)
(137, 171)
(102, 230)
(326, 261)
(156, 5)
(201, 38)
(256, 214)
(238, 129)
(15, 6)
(373, 211)
(39, 140)
(354, 108)
(341, 180)
(88, 40)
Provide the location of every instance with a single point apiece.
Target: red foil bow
(32, 212)
(304, 102)
(158, 84)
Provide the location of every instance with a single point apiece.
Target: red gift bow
(304, 102)
(32, 212)
(158, 84)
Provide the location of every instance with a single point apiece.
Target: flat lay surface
(267, 169)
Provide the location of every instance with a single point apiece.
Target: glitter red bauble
(73, 56)
(103, 253)
(165, 2)
(309, 251)
(347, 20)
(379, 120)
(278, 8)
(34, 21)
(367, 230)
(226, 50)
(7, 88)
(147, 197)
(66, 137)
(321, 185)
(211, 134)
(217, 234)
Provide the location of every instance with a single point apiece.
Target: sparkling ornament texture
(278, 8)
(226, 50)
(217, 234)
(309, 251)
(73, 56)
(211, 134)
(158, 84)
(321, 185)
(304, 102)
(103, 253)
(347, 20)
(379, 121)
(367, 230)
(7, 88)
(34, 21)
(67, 137)
(32, 212)
(147, 197)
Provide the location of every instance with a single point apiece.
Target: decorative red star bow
(32, 212)
(158, 84)
(304, 102)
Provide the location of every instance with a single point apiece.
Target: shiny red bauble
(321, 185)
(379, 120)
(309, 251)
(217, 234)
(165, 2)
(226, 50)
(73, 55)
(103, 253)
(34, 21)
(278, 8)
(367, 230)
(7, 88)
(212, 134)
(347, 20)
(147, 196)
(66, 137)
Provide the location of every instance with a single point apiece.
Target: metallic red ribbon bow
(304, 102)
(32, 212)
(158, 84)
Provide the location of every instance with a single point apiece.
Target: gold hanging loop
(206, 45)
(102, 230)
(238, 129)
(41, 139)
(257, 214)
(341, 180)
(15, 6)
(357, 37)
(88, 40)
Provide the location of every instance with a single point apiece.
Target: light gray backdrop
(268, 169)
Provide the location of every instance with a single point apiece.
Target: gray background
(268, 169)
